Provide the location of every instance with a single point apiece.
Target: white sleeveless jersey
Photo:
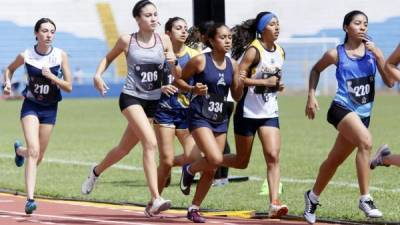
(263, 104)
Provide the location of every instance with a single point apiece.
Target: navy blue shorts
(337, 112)
(197, 121)
(248, 126)
(177, 118)
(46, 114)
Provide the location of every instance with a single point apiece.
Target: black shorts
(248, 126)
(337, 112)
(149, 106)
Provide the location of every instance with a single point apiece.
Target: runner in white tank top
(257, 111)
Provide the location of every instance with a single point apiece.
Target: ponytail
(245, 33)
(242, 36)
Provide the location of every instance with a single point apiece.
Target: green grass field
(87, 129)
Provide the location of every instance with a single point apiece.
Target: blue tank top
(178, 100)
(212, 106)
(356, 82)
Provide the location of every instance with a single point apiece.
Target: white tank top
(263, 104)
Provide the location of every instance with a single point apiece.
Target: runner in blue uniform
(146, 53)
(356, 60)
(48, 71)
(213, 74)
(170, 119)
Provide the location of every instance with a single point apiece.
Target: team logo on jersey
(52, 60)
(371, 61)
(221, 80)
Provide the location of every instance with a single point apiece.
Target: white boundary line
(254, 178)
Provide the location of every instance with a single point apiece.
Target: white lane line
(6, 201)
(79, 163)
(75, 218)
(19, 218)
(253, 178)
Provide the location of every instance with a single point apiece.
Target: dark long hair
(196, 32)
(244, 33)
(212, 32)
(41, 21)
(170, 23)
(348, 18)
(138, 7)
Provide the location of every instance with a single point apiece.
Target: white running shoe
(369, 208)
(309, 209)
(89, 183)
(159, 205)
(277, 210)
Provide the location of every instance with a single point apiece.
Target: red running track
(54, 212)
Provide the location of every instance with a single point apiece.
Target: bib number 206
(149, 76)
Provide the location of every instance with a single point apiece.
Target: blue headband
(263, 22)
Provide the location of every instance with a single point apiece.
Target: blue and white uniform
(259, 104)
(210, 110)
(356, 86)
(172, 110)
(41, 94)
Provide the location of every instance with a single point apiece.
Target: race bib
(361, 90)
(214, 107)
(43, 89)
(262, 89)
(150, 76)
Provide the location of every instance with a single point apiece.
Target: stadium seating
(82, 36)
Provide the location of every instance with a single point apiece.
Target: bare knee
(215, 161)
(33, 152)
(365, 144)
(150, 145)
(242, 164)
(272, 158)
(167, 161)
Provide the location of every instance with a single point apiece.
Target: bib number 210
(42, 89)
